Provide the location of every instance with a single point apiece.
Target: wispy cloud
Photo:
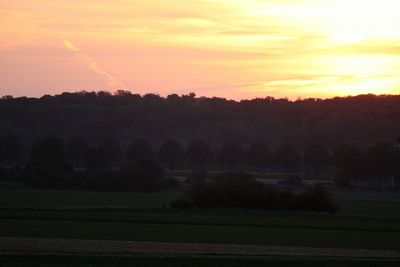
(111, 81)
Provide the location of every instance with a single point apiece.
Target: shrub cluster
(244, 192)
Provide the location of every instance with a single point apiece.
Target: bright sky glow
(231, 48)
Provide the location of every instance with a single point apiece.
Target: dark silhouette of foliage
(242, 191)
(231, 155)
(103, 156)
(49, 156)
(139, 149)
(171, 153)
(258, 156)
(315, 198)
(199, 154)
(350, 161)
(360, 120)
(76, 149)
(48, 166)
(144, 175)
(286, 157)
(10, 150)
(316, 156)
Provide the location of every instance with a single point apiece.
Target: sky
(236, 49)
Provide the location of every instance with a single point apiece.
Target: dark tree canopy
(231, 154)
(143, 175)
(381, 160)
(171, 153)
(360, 120)
(103, 156)
(286, 157)
(258, 155)
(350, 160)
(76, 149)
(316, 156)
(199, 153)
(49, 156)
(10, 149)
(139, 149)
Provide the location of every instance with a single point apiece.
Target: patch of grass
(200, 234)
(209, 217)
(139, 261)
(68, 199)
(377, 209)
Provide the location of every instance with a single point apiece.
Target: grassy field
(257, 175)
(143, 217)
(200, 234)
(71, 199)
(204, 217)
(361, 203)
(87, 261)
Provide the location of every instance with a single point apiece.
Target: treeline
(51, 161)
(359, 121)
(242, 191)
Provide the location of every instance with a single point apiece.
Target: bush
(244, 192)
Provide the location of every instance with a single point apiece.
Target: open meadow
(360, 223)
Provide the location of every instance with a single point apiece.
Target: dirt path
(15, 245)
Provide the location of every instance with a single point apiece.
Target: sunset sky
(231, 48)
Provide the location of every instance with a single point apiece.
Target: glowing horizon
(229, 48)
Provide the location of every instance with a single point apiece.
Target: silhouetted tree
(143, 175)
(49, 156)
(231, 155)
(286, 157)
(350, 161)
(258, 155)
(139, 149)
(10, 149)
(381, 161)
(103, 156)
(171, 153)
(199, 154)
(316, 198)
(76, 149)
(316, 156)
(48, 166)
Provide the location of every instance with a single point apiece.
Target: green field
(381, 204)
(145, 217)
(71, 199)
(204, 217)
(200, 233)
(138, 261)
(258, 175)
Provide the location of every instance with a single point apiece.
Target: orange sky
(231, 48)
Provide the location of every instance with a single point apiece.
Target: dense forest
(361, 120)
(124, 142)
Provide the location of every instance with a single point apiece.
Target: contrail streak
(111, 81)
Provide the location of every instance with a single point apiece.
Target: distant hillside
(359, 120)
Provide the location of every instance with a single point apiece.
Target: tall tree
(316, 156)
(381, 160)
(103, 156)
(231, 154)
(171, 153)
(10, 149)
(286, 157)
(139, 149)
(142, 175)
(49, 156)
(350, 161)
(76, 148)
(258, 155)
(199, 154)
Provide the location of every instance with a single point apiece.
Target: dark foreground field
(367, 220)
(174, 261)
